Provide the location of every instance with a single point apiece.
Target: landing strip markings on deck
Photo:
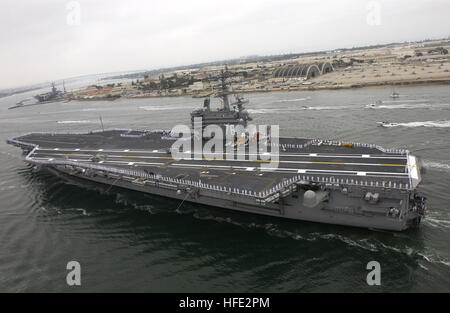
(318, 155)
(293, 170)
(281, 155)
(233, 160)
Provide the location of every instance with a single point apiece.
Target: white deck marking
(413, 171)
(412, 166)
(384, 174)
(225, 167)
(243, 161)
(361, 173)
(320, 155)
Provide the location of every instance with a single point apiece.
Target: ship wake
(434, 124)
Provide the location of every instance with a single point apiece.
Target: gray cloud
(38, 45)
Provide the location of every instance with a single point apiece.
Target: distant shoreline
(405, 83)
(360, 86)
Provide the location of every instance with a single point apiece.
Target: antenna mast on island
(223, 94)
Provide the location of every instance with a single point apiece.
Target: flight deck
(296, 158)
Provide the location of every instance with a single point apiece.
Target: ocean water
(127, 241)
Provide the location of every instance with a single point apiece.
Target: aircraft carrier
(54, 95)
(325, 181)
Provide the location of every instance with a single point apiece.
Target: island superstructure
(335, 182)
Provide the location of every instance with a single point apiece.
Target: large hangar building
(303, 70)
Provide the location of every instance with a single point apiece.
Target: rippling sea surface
(127, 241)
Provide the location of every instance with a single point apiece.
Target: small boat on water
(386, 124)
(374, 105)
(395, 94)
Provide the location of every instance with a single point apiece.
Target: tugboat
(315, 180)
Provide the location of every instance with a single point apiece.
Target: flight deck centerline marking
(248, 154)
(321, 155)
(243, 161)
(263, 161)
(404, 165)
(329, 163)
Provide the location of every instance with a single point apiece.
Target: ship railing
(336, 143)
(78, 133)
(128, 135)
(21, 143)
(126, 132)
(270, 195)
(157, 178)
(283, 188)
(104, 130)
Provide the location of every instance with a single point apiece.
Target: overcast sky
(45, 40)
